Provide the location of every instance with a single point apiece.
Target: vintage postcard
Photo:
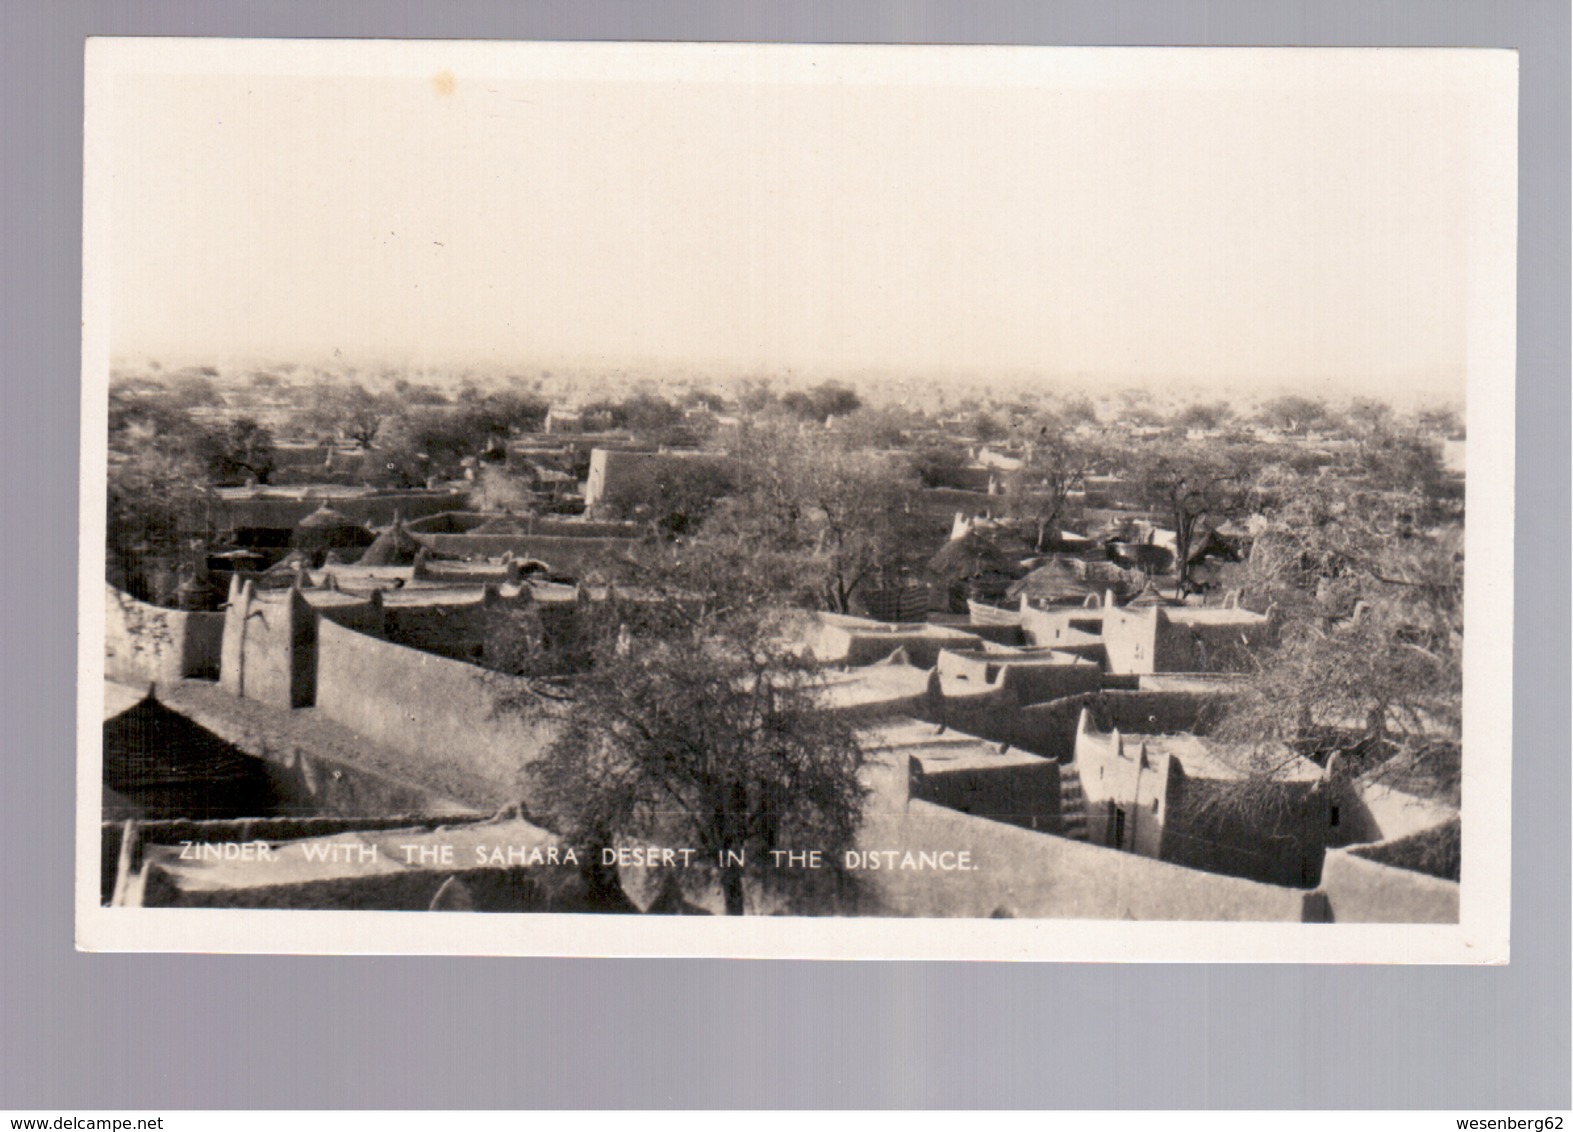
(797, 501)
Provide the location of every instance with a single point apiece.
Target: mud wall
(379, 509)
(573, 555)
(1049, 729)
(1024, 794)
(1362, 891)
(146, 644)
(1277, 834)
(428, 706)
(1020, 874)
(465, 522)
(268, 649)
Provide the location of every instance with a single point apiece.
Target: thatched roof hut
(327, 529)
(393, 547)
(971, 556)
(325, 517)
(1057, 582)
(1069, 581)
(1150, 597)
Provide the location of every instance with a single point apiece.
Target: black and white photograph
(797, 501)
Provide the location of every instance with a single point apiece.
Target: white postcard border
(1481, 936)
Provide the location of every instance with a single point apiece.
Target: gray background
(138, 1032)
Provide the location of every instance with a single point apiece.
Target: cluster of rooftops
(1057, 724)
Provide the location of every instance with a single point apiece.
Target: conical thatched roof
(1150, 597)
(970, 556)
(393, 547)
(1072, 580)
(326, 528)
(503, 525)
(290, 563)
(1109, 576)
(325, 516)
(1059, 580)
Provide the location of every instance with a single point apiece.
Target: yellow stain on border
(442, 82)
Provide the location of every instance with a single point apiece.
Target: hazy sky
(1218, 215)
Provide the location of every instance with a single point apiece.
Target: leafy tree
(1293, 413)
(1076, 409)
(1402, 462)
(648, 416)
(608, 410)
(1055, 464)
(987, 427)
(700, 398)
(871, 427)
(408, 392)
(501, 413)
(422, 442)
(712, 738)
(192, 390)
(842, 514)
(350, 411)
(1204, 415)
(757, 396)
(514, 642)
(1189, 484)
(140, 409)
(425, 437)
(238, 450)
(1392, 455)
(158, 503)
(678, 498)
(437, 438)
(803, 519)
(1137, 408)
(941, 465)
(1439, 420)
(827, 399)
(158, 496)
(1371, 605)
(1366, 416)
